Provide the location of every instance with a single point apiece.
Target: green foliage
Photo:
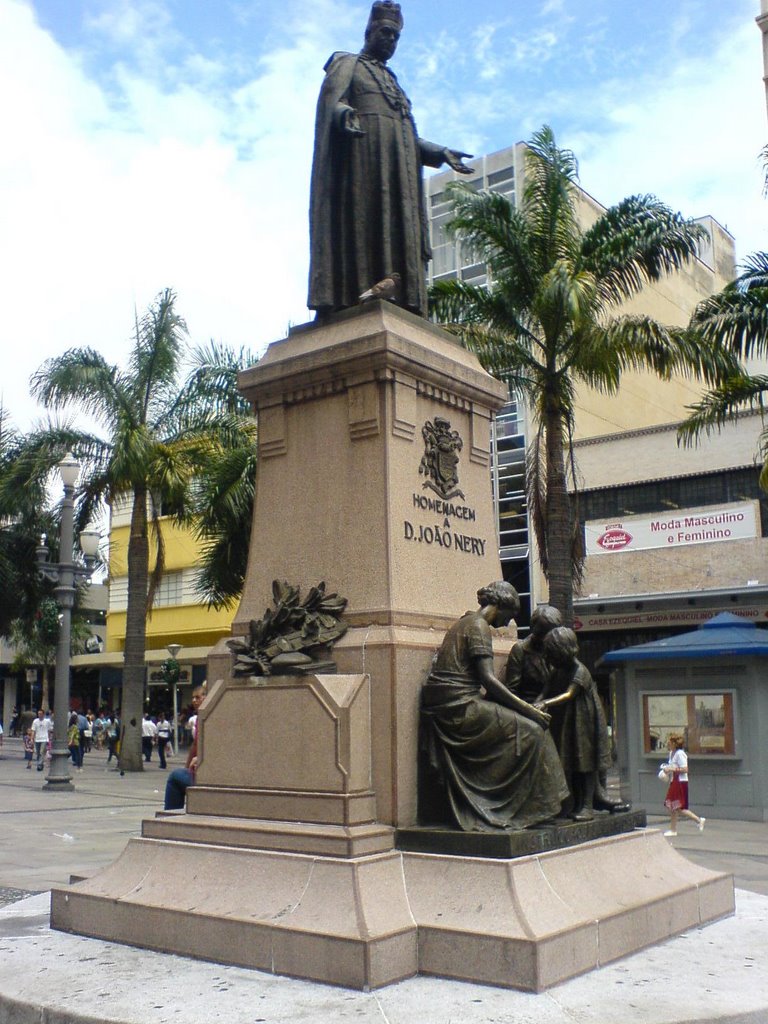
(222, 501)
(550, 318)
(223, 516)
(23, 518)
(737, 319)
(159, 431)
(171, 671)
(35, 641)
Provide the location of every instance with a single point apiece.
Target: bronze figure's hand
(352, 124)
(541, 718)
(455, 160)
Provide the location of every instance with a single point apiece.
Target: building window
(704, 720)
(170, 590)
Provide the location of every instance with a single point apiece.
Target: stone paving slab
(711, 975)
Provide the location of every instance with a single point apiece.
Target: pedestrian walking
(29, 748)
(82, 724)
(163, 736)
(73, 741)
(41, 730)
(113, 737)
(676, 802)
(148, 734)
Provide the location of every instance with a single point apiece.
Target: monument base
(553, 835)
(367, 920)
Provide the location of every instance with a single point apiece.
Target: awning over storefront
(668, 610)
(723, 635)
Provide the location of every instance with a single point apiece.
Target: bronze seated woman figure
(492, 751)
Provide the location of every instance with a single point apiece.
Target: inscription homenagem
(440, 464)
(444, 508)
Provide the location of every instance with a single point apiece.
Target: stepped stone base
(367, 920)
(324, 840)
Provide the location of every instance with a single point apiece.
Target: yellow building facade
(178, 616)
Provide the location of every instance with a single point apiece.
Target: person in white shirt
(163, 736)
(677, 795)
(148, 734)
(40, 732)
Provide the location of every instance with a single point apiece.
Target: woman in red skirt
(677, 795)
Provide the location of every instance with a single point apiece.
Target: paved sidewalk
(45, 837)
(714, 974)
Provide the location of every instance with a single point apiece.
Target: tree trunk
(134, 669)
(559, 530)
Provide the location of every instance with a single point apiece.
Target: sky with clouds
(167, 143)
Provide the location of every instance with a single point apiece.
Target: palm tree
(223, 512)
(737, 319)
(222, 506)
(550, 319)
(159, 434)
(24, 515)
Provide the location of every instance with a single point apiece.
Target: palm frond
(492, 230)
(156, 355)
(549, 200)
(224, 512)
(637, 241)
(82, 377)
(754, 273)
(723, 405)
(640, 342)
(563, 306)
(736, 319)
(459, 304)
(209, 395)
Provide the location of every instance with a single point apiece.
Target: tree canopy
(159, 431)
(737, 319)
(551, 318)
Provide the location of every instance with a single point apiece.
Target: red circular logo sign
(614, 540)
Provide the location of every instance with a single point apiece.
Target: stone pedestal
(374, 437)
(342, 497)
(279, 864)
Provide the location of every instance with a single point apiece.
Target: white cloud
(188, 166)
(692, 138)
(106, 197)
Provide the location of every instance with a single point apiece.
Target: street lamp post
(66, 575)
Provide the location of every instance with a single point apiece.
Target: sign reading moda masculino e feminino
(672, 529)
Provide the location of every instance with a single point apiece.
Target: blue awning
(723, 635)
